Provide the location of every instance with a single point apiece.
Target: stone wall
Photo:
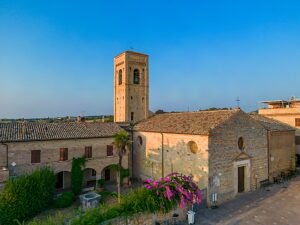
(151, 161)
(225, 156)
(281, 152)
(3, 175)
(2, 156)
(20, 153)
(285, 115)
(150, 219)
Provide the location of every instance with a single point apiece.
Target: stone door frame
(247, 164)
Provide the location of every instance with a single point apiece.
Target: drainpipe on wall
(132, 149)
(162, 155)
(268, 144)
(6, 145)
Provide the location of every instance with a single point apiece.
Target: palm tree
(121, 142)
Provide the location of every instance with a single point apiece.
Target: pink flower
(148, 186)
(155, 184)
(168, 193)
(148, 181)
(182, 203)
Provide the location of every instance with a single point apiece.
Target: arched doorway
(109, 174)
(63, 180)
(89, 177)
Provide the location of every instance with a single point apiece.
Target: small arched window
(136, 76)
(140, 140)
(120, 77)
(241, 143)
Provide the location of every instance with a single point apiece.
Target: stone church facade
(224, 151)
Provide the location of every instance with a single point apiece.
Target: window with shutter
(35, 156)
(297, 140)
(88, 152)
(63, 154)
(297, 122)
(109, 150)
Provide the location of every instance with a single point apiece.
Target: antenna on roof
(238, 102)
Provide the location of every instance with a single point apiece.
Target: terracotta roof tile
(10, 132)
(271, 124)
(185, 123)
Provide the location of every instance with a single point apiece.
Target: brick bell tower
(131, 87)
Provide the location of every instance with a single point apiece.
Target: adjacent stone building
(281, 145)
(286, 111)
(27, 146)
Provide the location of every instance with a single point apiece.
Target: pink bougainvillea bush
(156, 196)
(175, 189)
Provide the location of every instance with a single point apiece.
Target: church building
(225, 151)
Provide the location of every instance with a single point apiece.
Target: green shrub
(101, 182)
(136, 201)
(57, 219)
(77, 175)
(26, 196)
(65, 200)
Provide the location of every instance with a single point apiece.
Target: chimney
(23, 129)
(80, 119)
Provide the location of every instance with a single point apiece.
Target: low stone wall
(4, 175)
(149, 219)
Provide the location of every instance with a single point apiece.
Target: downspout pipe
(132, 149)
(6, 145)
(162, 155)
(268, 143)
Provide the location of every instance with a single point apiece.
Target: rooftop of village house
(34, 131)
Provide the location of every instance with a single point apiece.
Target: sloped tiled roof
(271, 124)
(10, 132)
(186, 122)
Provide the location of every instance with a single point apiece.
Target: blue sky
(56, 57)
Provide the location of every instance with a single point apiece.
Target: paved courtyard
(277, 205)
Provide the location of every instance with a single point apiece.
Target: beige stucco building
(32, 145)
(286, 111)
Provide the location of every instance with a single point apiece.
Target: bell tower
(131, 87)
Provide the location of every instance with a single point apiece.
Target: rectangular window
(63, 154)
(132, 116)
(109, 150)
(35, 156)
(297, 122)
(297, 140)
(88, 153)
